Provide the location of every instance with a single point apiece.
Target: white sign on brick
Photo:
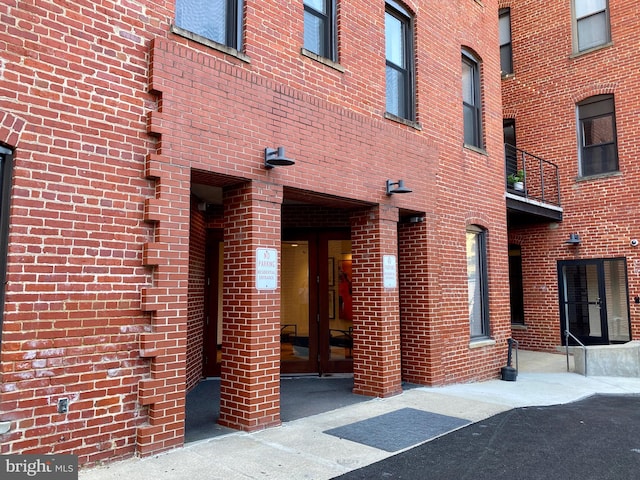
(266, 268)
(389, 273)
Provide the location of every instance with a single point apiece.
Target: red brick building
(570, 98)
(149, 243)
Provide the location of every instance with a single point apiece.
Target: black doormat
(397, 430)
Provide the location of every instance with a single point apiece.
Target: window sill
(591, 50)
(518, 326)
(404, 121)
(209, 43)
(475, 149)
(481, 343)
(507, 76)
(323, 60)
(599, 176)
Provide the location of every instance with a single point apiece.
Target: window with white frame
(471, 100)
(590, 24)
(320, 28)
(598, 150)
(399, 56)
(477, 282)
(216, 20)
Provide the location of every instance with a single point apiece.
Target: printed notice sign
(266, 268)
(389, 276)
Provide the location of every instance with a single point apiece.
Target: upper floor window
(320, 28)
(590, 23)
(477, 281)
(506, 56)
(471, 100)
(217, 20)
(597, 136)
(399, 52)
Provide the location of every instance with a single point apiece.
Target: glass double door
(316, 317)
(594, 300)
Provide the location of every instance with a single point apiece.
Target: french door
(316, 316)
(594, 300)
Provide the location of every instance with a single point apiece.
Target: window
(591, 24)
(399, 53)
(6, 165)
(477, 282)
(320, 28)
(597, 136)
(516, 288)
(217, 20)
(506, 56)
(471, 103)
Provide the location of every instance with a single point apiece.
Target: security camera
(634, 242)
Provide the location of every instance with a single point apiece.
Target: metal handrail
(568, 334)
(538, 173)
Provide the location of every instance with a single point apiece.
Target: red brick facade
(113, 118)
(550, 78)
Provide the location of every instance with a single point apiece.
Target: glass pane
(615, 279)
(589, 7)
(474, 285)
(313, 34)
(317, 5)
(469, 125)
(596, 131)
(394, 40)
(506, 64)
(206, 18)
(294, 302)
(505, 29)
(340, 300)
(468, 91)
(396, 92)
(592, 31)
(599, 159)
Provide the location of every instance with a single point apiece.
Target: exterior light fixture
(400, 188)
(276, 158)
(574, 239)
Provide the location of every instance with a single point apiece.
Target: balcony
(537, 199)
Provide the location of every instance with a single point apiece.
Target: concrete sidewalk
(303, 449)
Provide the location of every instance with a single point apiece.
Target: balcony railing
(541, 180)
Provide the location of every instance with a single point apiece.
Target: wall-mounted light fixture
(400, 188)
(574, 239)
(276, 158)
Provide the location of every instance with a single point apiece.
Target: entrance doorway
(316, 304)
(594, 300)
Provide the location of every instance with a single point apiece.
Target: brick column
(376, 318)
(250, 370)
(163, 392)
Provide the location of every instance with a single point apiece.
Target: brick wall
(111, 114)
(549, 81)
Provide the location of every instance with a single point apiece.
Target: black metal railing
(539, 178)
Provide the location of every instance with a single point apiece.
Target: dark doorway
(516, 289)
(213, 303)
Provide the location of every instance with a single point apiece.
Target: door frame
(601, 301)
(318, 363)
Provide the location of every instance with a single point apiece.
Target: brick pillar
(250, 370)
(423, 340)
(163, 392)
(376, 318)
